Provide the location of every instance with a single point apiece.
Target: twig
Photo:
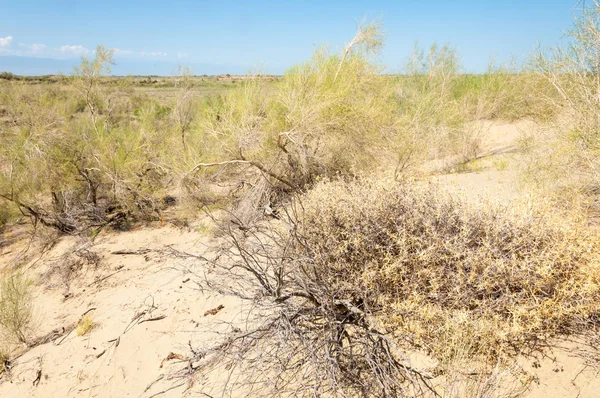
(159, 378)
(106, 277)
(168, 389)
(38, 378)
(125, 252)
(157, 318)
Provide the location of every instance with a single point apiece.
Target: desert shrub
(75, 170)
(505, 93)
(16, 307)
(443, 271)
(4, 216)
(433, 111)
(359, 267)
(9, 76)
(331, 115)
(315, 121)
(568, 151)
(4, 360)
(8, 213)
(438, 107)
(426, 111)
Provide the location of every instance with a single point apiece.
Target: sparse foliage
(569, 154)
(16, 307)
(183, 110)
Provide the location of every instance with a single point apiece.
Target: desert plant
(16, 307)
(78, 170)
(572, 143)
(506, 277)
(86, 80)
(332, 115)
(358, 272)
(182, 113)
(85, 325)
(4, 215)
(428, 112)
(4, 360)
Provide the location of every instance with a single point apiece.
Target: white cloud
(37, 47)
(30, 50)
(78, 49)
(182, 55)
(118, 51)
(5, 41)
(68, 51)
(131, 53)
(33, 48)
(153, 54)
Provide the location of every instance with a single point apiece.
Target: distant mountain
(30, 66)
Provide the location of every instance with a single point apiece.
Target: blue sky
(154, 37)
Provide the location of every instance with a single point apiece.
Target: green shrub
(75, 158)
(9, 76)
(332, 115)
(566, 154)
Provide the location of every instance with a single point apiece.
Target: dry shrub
(439, 109)
(436, 106)
(16, 308)
(4, 214)
(357, 273)
(440, 271)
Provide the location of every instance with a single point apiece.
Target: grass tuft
(85, 326)
(16, 307)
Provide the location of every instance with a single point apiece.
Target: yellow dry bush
(446, 275)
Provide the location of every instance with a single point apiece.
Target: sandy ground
(146, 306)
(149, 311)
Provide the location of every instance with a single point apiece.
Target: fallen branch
(159, 378)
(138, 252)
(167, 390)
(244, 161)
(157, 318)
(104, 278)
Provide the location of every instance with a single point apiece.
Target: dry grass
(16, 308)
(85, 325)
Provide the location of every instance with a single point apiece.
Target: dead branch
(309, 336)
